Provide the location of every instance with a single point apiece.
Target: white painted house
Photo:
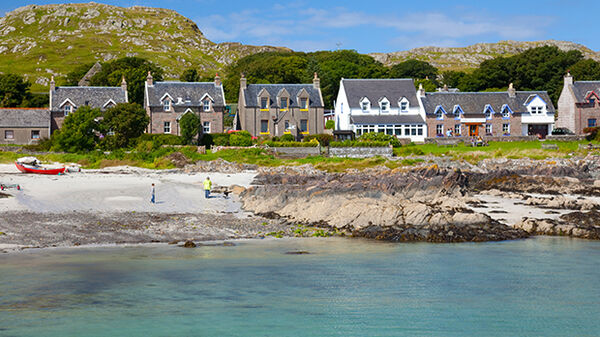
(389, 106)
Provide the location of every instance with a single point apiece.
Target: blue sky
(380, 26)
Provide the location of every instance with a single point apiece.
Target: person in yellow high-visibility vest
(207, 186)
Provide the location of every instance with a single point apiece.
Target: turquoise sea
(345, 287)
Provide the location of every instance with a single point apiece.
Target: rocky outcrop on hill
(472, 56)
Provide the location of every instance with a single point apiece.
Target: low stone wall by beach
(360, 152)
(296, 151)
(566, 138)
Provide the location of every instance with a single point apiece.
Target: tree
(414, 69)
(79, 131)
(330, 124)
(428, 85)
(37, 100)
(586, 70)
(134, 69)
(13, 90)
(190, 127)
(452, 78)
(190, 75)
(127, 121)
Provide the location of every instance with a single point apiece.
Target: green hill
(40, 41)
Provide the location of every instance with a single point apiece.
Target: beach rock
(189, 244)
(300, 252)
(575, 224)
(178, 159)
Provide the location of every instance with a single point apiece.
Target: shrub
(287, 138)
(240, 138)
(323, 138)
(217, 139)
(330, 124)
(159, 139)
(190, 127)
(127, 121)
(593, 133)
(356, 143)
(380, 137)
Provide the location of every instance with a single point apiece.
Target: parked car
(562, 131)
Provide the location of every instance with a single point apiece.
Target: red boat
(39, 169)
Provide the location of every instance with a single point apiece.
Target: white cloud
(302, 28)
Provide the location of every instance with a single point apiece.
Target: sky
(379, 26)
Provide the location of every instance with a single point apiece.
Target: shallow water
(536, 287)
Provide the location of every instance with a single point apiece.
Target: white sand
(118, 189)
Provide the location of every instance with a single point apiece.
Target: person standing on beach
(153, 194)
(207, 186)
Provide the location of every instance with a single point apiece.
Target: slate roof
(376, 89)
(581, 89)
(24, 118)
(387, 119)
(252, 90)
(96, 97)
(474, 103)
(191, 93)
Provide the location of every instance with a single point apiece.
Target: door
(473, 130)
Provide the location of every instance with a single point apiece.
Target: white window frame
(304, 103)
(403, 105)
(537, 110)
(68, 109)
(12, 134)
(488, 129)
(206, 105)
(167, 105)
(385, 106)
(457, 130)
(266, 100)
(439, 113)
(206, 127)
(439, 129)
(506, 128)
(287, 103)
(167, 127)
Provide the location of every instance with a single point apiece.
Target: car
(562, 131)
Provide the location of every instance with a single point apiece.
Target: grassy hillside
(40, 41)
(470, 57)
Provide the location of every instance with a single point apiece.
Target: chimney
(512, 93)
(123, 84)
(316, 82)
(149, 81)
(52, 83)
(421, 91)
(217, 80)
(568, 79)
(445, 89)
(243, 83)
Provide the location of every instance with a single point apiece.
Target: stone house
(578, 105)
(278, 109)
(167, 102)
(24, 126)
(389, 106)
(65, 100)
(507, 113)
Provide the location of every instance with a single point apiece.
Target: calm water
(536, 287)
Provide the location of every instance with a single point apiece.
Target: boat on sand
(33, 165)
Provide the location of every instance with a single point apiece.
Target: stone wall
(566, 138)
(296, 151)
(361, 152)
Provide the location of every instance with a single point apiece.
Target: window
(439, 113)
(304, 103)
(9, 134)
(167, 105)
(206, 105)
(35, 134)
(506, 113)
(457, 130)
(488, 113)
(68, 110)
(592, 101)
(439, 130)
(87, 103)
(404, 106)
(286, 126)
(385, 106)
(264, 103)
(506, 129)
(167, 127)
(264, 126)
(284, 103)
(365, 105)
(536, 110)
(420, 130)
(304, 125)
(591, 122)
(206, 127)
(488, 129)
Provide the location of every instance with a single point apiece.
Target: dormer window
(365, 105)
(457, 110)
(68, 110)
(505, 112)
(304, 103)
(264, 103)
(404, 106)
(488, 112)
(284, 103)
(535, 110)
(206, 105)
(439, 113)
(167, 105)
(385, 106)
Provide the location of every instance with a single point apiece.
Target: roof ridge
(179, 82)
(85, 87)
(23, 108)
(249, 84)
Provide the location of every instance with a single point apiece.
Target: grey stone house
(507, 113)
(578, 105)
(24, 126)
(167, 102)
(65, 100)
(278, 109)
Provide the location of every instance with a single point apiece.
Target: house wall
(250, 118)
(57, 119)
(22, 136)
(585, 112)
(158, 116)
(449, 121)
